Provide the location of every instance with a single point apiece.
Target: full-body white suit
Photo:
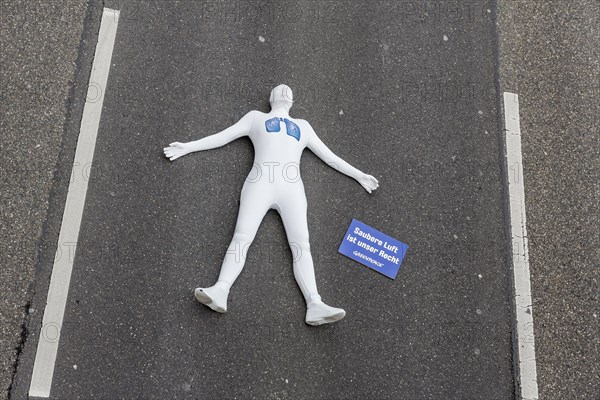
(274, 182)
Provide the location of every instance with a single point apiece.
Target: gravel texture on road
(550, 57)
(38, 59)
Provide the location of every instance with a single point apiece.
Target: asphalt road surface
(401, 91)
(549, 55)
(414, 106)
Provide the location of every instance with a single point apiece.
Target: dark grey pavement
(411, 102)
(550, 56)
(39, 44)
(405, 90)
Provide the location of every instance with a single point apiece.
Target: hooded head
(281, 96)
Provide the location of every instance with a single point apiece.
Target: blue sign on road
(374, 249)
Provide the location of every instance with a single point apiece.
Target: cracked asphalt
(38, 57)
(550, 56)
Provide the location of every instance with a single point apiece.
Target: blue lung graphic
(293, 130)
(274, 125)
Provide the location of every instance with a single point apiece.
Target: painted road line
(45, 357)
(527, 374)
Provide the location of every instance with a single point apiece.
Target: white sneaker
(214, 297)
(319, 313)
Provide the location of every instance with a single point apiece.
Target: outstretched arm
(324, 153)
(239, 129)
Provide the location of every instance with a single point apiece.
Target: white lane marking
(527, 374)
(45, 357)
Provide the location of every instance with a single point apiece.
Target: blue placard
(374, 249)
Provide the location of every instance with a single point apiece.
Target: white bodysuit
(274, 182)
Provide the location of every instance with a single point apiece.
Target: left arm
(368, 182)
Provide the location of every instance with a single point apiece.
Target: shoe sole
(327, 320)
(207, 301)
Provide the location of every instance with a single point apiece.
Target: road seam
(527, 387)
(45, 358)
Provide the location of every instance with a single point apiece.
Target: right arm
(239, 129)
